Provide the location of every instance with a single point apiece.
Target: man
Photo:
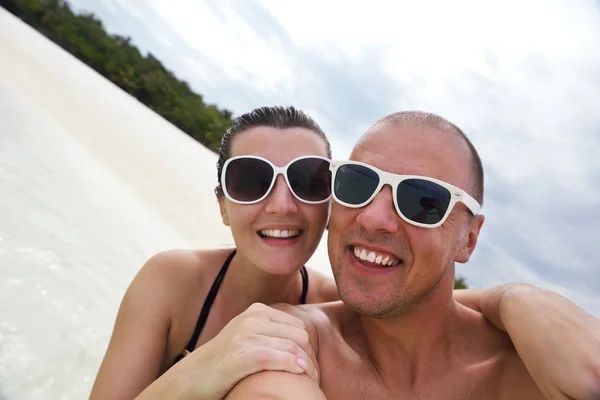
(406, 210)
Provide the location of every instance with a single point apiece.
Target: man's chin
(368, 306)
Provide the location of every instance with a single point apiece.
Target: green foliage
(459, 283)
(114, 57)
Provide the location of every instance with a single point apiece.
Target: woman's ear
(223, 209)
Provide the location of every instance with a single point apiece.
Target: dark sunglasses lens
(248, 179)
(354, 184)
(423, 201)
(310, 179)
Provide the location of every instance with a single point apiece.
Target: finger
(274, 315)
(297, 335)
(271, 358)
(288, 345)
(278, 324)
(291, 339)
(285, 318)
(259, 332)
(258, 322)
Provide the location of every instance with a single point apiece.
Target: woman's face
(258, 228)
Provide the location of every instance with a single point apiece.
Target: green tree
(115, 58)
(459, 283)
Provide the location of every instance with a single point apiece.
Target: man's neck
(416, 344)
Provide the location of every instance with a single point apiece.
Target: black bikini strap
(304, 274)
(212, 294)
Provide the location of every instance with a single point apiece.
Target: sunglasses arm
(470, 202)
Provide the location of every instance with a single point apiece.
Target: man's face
(425, 257)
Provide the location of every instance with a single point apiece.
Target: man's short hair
(442, 124)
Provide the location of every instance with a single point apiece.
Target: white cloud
(232, 44)
(522, 79)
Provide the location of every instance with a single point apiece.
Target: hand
(260, 339)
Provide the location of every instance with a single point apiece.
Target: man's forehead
(408, 137)
(412, 148)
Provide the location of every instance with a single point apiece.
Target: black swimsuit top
(212, 294)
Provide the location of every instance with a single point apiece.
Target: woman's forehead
(277, 144)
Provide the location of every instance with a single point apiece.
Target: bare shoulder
(151, 284)
(164, 282)
(323, 319)
(175, 272)
(175, 283)
(516, 382)
(183, 261)
(316, 315)
(143, 341)
(491, 358)
(322, 288)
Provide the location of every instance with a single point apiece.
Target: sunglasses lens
(248, 179)
(423, 201)
(354, 184)
(310, 179)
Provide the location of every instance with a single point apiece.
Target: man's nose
(281, 202)
(380, 214)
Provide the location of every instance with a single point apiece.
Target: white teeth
(278, 233)
(371, 256)
(363, 254)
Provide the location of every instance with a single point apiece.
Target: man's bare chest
(349, 377)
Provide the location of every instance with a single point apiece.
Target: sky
(522, 79)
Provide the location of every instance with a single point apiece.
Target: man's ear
(470, 238)
(224, 214)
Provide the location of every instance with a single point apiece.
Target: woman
(192, 324)
(277, 221)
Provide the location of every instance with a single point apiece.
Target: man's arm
(557, 341)
(276, 385)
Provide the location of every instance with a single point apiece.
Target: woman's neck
(247, 284)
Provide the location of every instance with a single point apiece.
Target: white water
(92, 183)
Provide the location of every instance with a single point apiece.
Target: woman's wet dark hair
(275, 117)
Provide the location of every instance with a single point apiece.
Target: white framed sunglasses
(249, 179)
(419, 200)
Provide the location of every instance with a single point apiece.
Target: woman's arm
(558, 341)
(138, 343)
(261, 338)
